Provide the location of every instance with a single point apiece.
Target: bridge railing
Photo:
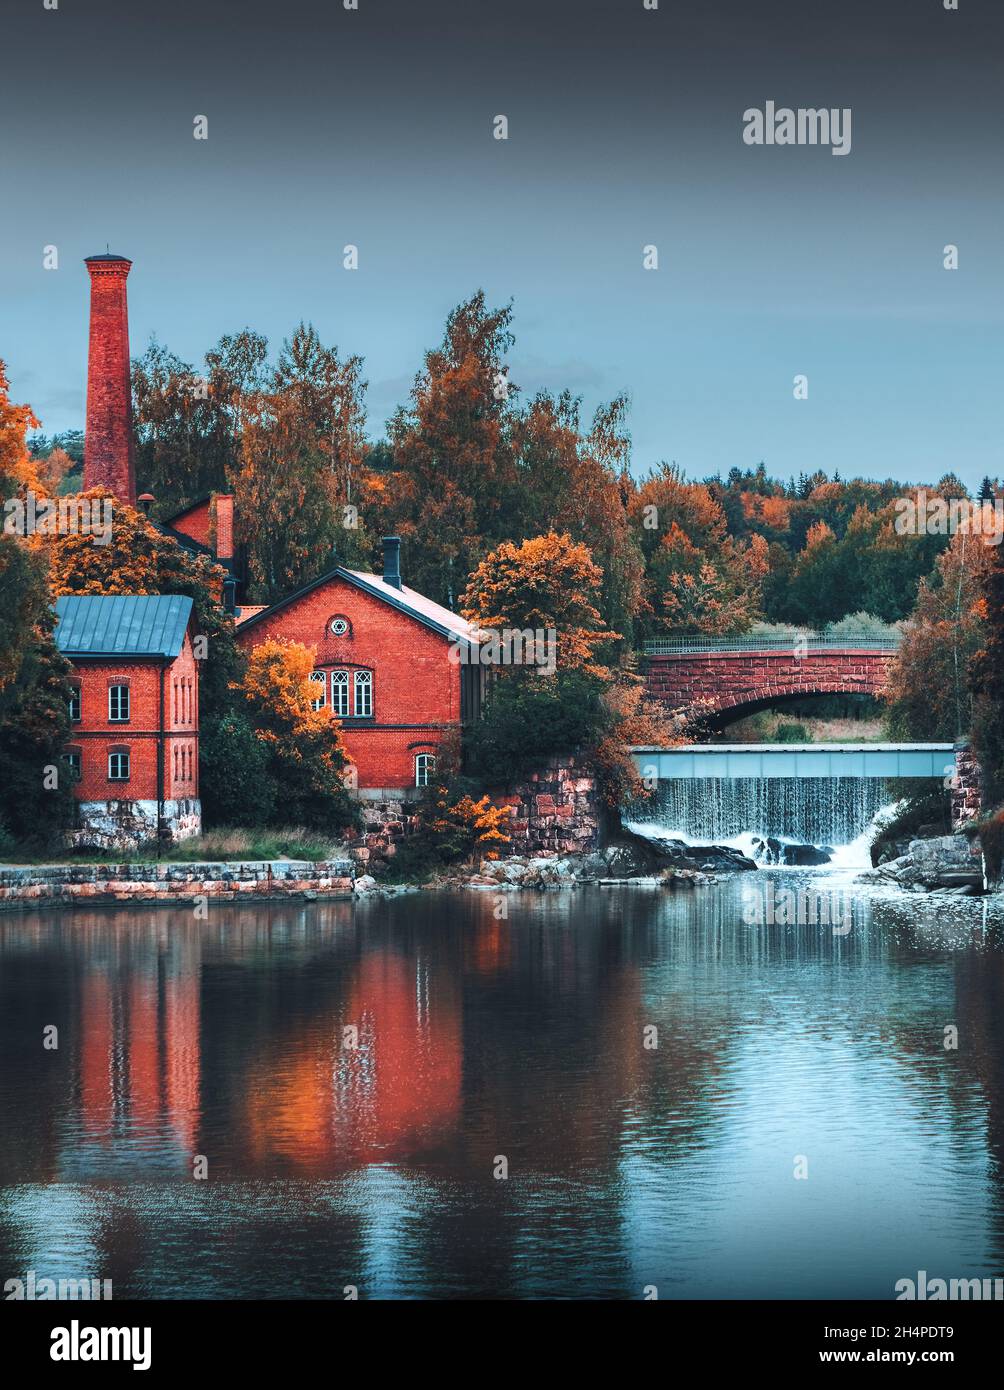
(793, 640)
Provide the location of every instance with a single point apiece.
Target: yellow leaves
(546, 583)
(278, 681)
(478, 824)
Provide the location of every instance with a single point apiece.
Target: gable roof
(431, 615)
(148, 625)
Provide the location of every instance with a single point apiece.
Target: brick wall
(118, 814)
(732, 679)
(416, 688)
(195, 523)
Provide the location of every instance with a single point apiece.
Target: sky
(374, 126)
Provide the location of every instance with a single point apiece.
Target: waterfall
(813, 810)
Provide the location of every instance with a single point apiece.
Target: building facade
(389, 664)
(133, 752)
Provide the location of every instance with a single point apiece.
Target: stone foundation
(125, 825)
(90, 885)
(556, 810)
(966, 788)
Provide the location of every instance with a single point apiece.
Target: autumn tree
(35, 794)
(306, 757)
(454, 470)
(300, 455)
(569, 479)
(547, 583)
(928, 687)
(142, 559)
(699, 580)
(987, 678)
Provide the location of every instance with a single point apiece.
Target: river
(780, 1049)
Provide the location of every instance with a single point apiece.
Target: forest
(482, 480)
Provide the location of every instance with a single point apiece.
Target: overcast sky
(374, 127)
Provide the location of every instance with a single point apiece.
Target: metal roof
(415, 605)
(122, 624)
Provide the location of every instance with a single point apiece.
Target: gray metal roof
(121, 624)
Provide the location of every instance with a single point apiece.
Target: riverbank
(174, 883)
(24, 887)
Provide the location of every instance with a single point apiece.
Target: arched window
(320, 680)
(340, 694)
(363, 681)
(425, 767)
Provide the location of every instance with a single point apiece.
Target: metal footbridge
(758, 760)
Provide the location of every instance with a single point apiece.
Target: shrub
(528, 719)
(792, 733)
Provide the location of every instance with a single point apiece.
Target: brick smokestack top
(108, 456)
(224, 526)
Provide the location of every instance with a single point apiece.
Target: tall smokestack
(108, 456)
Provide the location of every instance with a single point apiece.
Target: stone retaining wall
(70, 885)
(556, 810)
(966, 790)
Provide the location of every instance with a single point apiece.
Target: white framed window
(75, 704)
(425, 767)
(364, 694)
(339, 627)
(118, 704)
(321, 681)
(72, 759)
(118, 767)
(340, 694)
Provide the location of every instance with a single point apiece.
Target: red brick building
(389, 664)
(134, 747)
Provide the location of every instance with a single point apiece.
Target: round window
(339, 626)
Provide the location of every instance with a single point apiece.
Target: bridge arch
(740, 676)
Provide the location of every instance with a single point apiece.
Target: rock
(630, 855)
(364, 884)
(770, 850)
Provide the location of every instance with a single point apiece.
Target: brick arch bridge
(740, 675)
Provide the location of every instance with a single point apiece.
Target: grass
(771, 726)
(222, 843)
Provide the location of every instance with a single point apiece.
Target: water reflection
(351, 1077)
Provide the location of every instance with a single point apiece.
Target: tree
(452, 452)
(34, 685)
(928, 684)
(300, 455)
(987, 680)
(547, 583)
(141, 559)
(307, 762)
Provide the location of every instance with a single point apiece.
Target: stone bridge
(737, 676)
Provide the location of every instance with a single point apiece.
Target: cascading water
(811, 810)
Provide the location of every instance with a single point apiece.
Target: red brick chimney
(224, 526)
(108, 457)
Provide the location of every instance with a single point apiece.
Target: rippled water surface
(779, 1047)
